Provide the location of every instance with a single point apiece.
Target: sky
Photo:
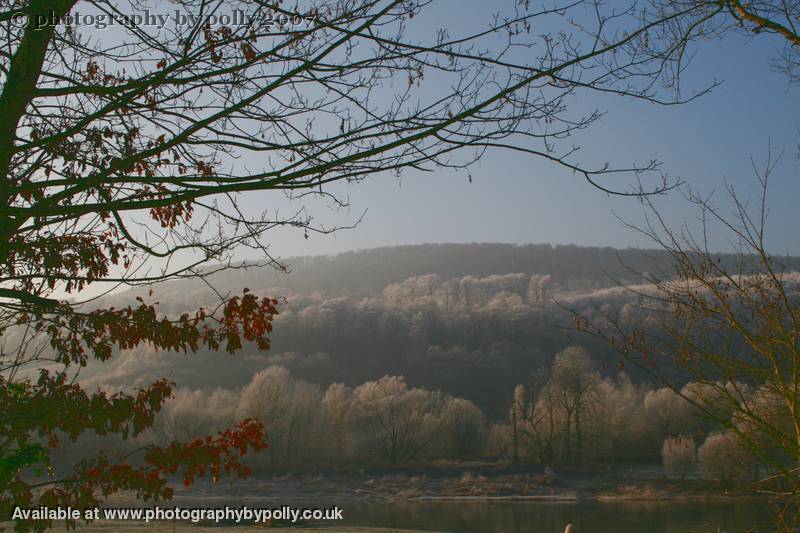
(518, 199)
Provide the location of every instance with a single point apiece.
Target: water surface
(587, 517)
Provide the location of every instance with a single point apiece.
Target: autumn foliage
(122, 154)
(36, 414)
(53, 407)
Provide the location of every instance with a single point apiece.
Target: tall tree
(575, 380)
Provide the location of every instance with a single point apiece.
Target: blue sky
(519, 199)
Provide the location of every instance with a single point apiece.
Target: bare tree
(335, 405)
(679, 455)
(465, 429)
(669, 411)
(731, 327)
(396, 424)
(618, 423)
(99, 129)
(289, 407)
(574, 380)
(533, 418)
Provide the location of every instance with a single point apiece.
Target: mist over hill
(368, 272)
(472, 320)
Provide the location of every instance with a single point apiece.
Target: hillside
(455, 345)
(367, 272)
(443, 316)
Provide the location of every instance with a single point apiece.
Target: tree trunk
(568, 439)
(515, 457)
(578, 438)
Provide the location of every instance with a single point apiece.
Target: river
(587, 517)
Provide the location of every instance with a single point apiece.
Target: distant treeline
(567, 414)
(367, 272)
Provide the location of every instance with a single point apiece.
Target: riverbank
(470, 498)
(467, 482)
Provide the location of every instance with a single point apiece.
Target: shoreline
(465, 485)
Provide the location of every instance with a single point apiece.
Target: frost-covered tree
(679, 456)
(393, 422)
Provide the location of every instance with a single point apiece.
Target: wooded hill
(471, 320)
